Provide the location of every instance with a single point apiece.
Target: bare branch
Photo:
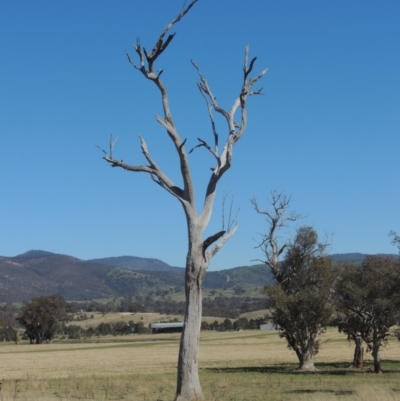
(204, 144)
(159, 47)
(235, 130)
(211, 239)
(146, 67)
(97, 146)
(112, 143)
(128, 167)
(277, 217)
(206, 91)
(184, 11)
(213, 126)
(231, 221)
(211, 253)
(247, 71)
(155, 172)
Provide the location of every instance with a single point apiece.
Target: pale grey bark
(307, 362)
(304, 344)
(307, 349)
(358, 360)
(200, 251)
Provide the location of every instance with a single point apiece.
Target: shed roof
(166, 325)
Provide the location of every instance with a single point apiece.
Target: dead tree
(277, 218)
(200, 250)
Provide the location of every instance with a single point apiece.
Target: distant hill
(245, 276)
(355, 258)
(136, 263)
(347, 257)
(37, 272)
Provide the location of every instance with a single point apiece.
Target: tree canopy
(302, 298)
(368, 299)
(42, 316)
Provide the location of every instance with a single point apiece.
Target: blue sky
(326, 131)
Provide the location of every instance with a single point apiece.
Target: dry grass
(146, 318)
(234, 366)
(259, 314)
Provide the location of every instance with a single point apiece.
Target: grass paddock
(234, 366)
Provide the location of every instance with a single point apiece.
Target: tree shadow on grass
(331, 368)
(309, 391)
(388, 366)
(289, 369)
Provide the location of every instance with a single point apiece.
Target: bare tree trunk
(377, 358)
(188, 382)
(304, 353)
(306, 360)
(358, 360)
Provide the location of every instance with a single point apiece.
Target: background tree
(42, 317)
(302, 298)
(241, 323)
(8, 333)
(200, 250)
(277, 218)
(368, 299)
(228, 324)
(8, 316)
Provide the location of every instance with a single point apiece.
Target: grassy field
(234, 366)
(146, 318)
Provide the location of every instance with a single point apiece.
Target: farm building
(267, 326)
(175, 327)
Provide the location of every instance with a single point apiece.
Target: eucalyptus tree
(200, 250)
(302, 298)
(42, 317)
(368, 298)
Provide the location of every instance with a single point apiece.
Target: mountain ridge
(137, 263)
(38, 272)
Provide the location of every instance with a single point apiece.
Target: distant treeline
(220, 306)
(56, 315)
(77, 332)
(74, 331)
